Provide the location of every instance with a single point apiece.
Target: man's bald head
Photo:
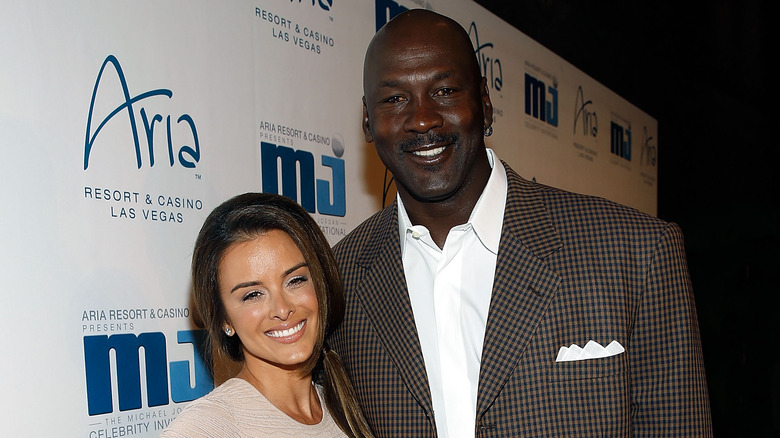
(426, 108)
(418, 28)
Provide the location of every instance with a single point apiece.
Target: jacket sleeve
(668, 383)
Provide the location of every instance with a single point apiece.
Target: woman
(268, 290)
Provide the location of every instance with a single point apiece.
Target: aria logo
(326, 5)
(649, 152)
(491, 67)
(541, 101)
(188, 155)
(585, 115)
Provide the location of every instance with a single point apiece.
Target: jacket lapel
(522, 289)
(385, 299)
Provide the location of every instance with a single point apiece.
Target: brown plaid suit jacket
(570, 268)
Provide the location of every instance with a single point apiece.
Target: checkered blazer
(570, 269)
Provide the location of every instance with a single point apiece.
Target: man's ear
(487, 105)
(366, 124)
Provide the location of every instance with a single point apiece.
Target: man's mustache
(430, 138)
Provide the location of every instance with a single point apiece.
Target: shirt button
(416, 234)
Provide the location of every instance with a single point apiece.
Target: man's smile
(427, 153)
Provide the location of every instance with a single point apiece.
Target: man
(461, 294)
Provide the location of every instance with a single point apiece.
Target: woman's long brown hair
(243, 218)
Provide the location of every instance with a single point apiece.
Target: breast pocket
(590, 397)
(589, 369)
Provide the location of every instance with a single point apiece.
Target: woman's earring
(228, 331)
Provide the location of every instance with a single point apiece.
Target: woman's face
(269, 300)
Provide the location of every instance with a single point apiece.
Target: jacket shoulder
(593, 209)
(369, 232)
(578, 216)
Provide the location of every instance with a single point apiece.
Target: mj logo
(386, 10)
(271, 155)
(620, 141)
(537, 102)
(127, 347)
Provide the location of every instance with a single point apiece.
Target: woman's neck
(291, 393)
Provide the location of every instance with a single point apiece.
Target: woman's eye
(297, 281)
(253, 295)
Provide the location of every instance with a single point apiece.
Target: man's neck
(441, 216)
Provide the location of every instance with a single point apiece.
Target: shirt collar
(487, 216)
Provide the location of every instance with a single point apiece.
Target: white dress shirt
(450, 290)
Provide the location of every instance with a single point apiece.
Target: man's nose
(423, 115)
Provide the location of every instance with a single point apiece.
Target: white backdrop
(124, 123)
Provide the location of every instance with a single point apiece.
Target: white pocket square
(592, 350)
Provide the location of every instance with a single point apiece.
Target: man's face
(425, 108)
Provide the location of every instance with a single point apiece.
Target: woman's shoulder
(214, 414)
(237, 409)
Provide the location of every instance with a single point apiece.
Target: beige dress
(237, 409)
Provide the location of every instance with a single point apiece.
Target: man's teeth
(429, 152)
(284, 333)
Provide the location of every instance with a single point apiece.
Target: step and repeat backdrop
(124, 123)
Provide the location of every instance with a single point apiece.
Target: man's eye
(394, 99)
(444, 92)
